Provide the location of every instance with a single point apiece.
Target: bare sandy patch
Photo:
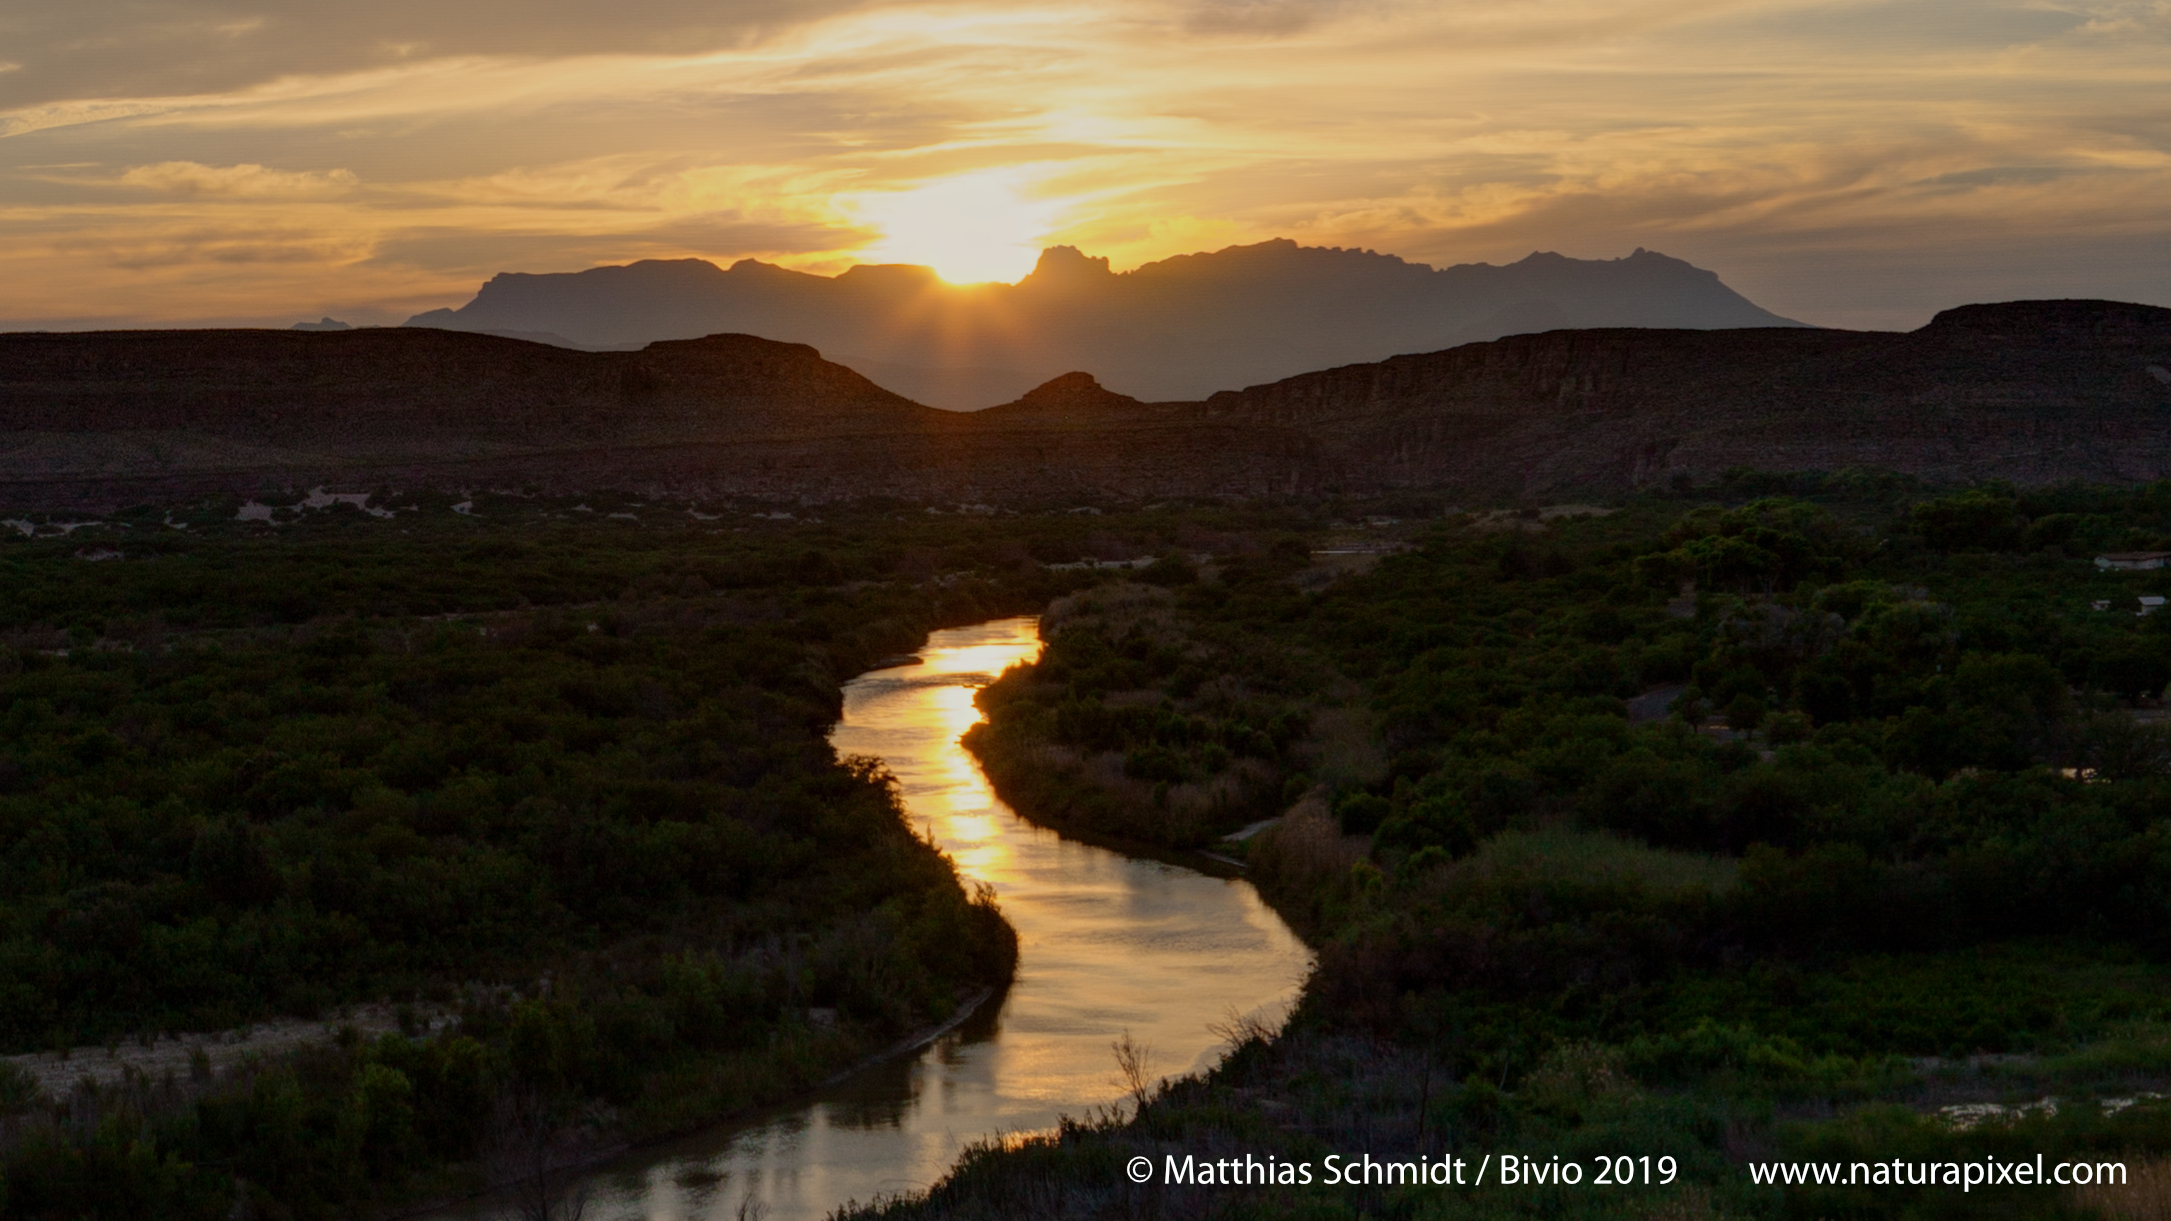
(57, 1073)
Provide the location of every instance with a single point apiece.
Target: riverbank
(1907, 906)
(571, 1164)
(591, 865)
(1110, 944)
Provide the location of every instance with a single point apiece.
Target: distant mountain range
(2034, 391)
(1181, 328)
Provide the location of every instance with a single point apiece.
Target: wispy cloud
(238, 181)
(1803, 147)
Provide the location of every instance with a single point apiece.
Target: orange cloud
(239, 181)
(1801, 147)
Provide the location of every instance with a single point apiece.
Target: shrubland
(1763, 820)
(552, 780)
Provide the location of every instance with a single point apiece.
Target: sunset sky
(261, 161)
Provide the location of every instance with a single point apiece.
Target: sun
(971, 228)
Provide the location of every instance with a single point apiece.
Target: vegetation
(1764, 820)
(555, 784)
(1759, 821)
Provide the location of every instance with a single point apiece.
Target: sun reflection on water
(953, 800)
(1107, 944)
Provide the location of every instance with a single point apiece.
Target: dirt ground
(58, 1072)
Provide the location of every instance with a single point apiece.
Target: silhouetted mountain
(1180, 328)
(1075, 400)
(2034, 391)
(92, 417)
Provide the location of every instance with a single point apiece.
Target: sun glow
(971, 228)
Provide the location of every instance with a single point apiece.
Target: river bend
(1108, 944)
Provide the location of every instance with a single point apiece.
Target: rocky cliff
(121, 414)
(2034, 392)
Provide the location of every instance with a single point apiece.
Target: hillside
(1179, 328)
(2033, 392)
(122, 414)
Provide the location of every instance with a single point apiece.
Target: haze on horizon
(193, 162)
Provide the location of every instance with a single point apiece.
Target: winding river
(1109, 944)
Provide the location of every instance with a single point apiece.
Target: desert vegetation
(1783, 817)
(1799, 817)
(552, 785)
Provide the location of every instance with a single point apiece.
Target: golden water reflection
(1107, 944)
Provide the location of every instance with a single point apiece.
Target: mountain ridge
(2034, 392)
(1177, 328)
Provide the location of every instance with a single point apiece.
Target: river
(1108, 944)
